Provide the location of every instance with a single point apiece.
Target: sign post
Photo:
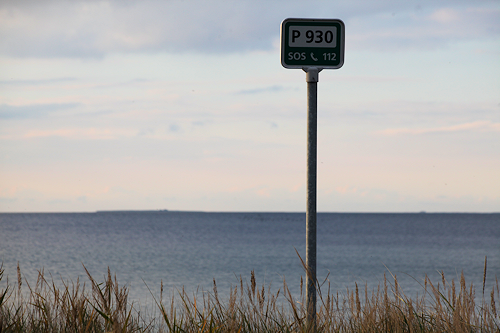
(312, 45)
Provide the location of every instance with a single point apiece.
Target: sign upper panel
(312, 43)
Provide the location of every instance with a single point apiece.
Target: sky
(184, 105)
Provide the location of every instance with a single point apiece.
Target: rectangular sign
(312, 43)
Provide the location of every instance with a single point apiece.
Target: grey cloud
(58, 201)
(174, 128)
(429, 29)
(32, 111)
(261, 90)
(36, 82)
(146, 131)
(7, 200)
(96, 28)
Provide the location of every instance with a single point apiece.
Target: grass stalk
(103, 306)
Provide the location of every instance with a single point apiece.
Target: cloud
(275, 88)
(33, 110)
(7, 200)
(472, 126)
(96, 28)
(445, 15)
(428, 29)
(80, 133)
(412, 112)
(36, 82)
(346, 189)
(263, 192)
(174, 128)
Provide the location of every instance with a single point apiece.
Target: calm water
(191, 249)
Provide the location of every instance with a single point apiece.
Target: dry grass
(103, 307)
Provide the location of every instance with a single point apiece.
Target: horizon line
(243, 212)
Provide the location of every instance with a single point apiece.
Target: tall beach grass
(103, 306)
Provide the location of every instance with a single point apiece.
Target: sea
(190, 250)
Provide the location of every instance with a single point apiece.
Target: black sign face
(312, 43)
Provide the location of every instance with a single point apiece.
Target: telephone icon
(313, 58)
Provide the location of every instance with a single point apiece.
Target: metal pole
(312, 75)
